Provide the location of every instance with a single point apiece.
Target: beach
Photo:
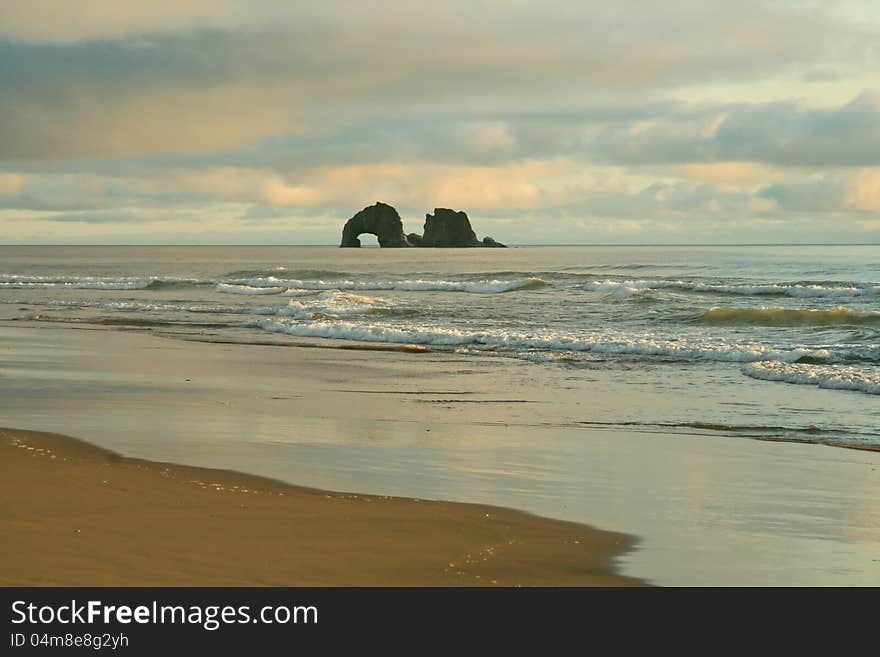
(77, 515)
(716, 475)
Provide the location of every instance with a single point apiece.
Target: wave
(283, 271)
(366, 333)
(331, 303)
(625, 288)
(136, 307)
(475, 287)
(618, 290)
(609, 345)
(16, 282)
(173, 284)
(229, 288)
(835, 377)
(840, 316)
(72, 282)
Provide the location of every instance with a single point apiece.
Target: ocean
(700, 398)
(778, 343)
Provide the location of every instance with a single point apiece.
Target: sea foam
(494, 286)
(331, 303)
(228, 288)
(547, 342)
(625, 288)
(836, 377)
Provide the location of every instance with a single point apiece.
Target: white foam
(495, 286)
(616, 289)
(331, 303)
(134, 306)
(23, 282)
(835, 377)
(625, 288)
(365, 333)
(227, 288)
(16, 282)
(549, 342)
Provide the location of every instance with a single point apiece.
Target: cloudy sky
(263, 121)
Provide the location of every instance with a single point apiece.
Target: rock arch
(380, 220)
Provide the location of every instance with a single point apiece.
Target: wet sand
(72, 514)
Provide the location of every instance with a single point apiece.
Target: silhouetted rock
(444, 228)
(448, 228)
(380, 220)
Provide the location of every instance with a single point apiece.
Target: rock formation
(380, 220)
(448, 228)
(444, 228)
(490, 242)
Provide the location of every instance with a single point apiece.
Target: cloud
(781, 133)
(80, 20)
(422, 186)
(101, 217)
(729, 172)
(107, 79)
(828, 193)
(11, 183)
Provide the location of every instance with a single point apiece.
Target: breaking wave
(331, 303)
(16, 282)
(229, 288)
(626, 288)
(610, 345)
(72, 282)
(835, 377)
(283, 271)
(839, 316)
(264, 281)
(495, 286)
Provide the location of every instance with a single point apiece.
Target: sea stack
(451, 229)
(444, 229)
(448, 228)
(380, 220)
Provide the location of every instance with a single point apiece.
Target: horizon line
(515, 245)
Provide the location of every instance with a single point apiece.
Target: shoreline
(341, 345)
(75, 514)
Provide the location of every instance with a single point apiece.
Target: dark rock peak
(448, 228)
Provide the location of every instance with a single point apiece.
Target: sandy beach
(75, 515)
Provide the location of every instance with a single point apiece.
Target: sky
(273, 122)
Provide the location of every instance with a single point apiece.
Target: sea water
(727, 333)
(696, 397)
